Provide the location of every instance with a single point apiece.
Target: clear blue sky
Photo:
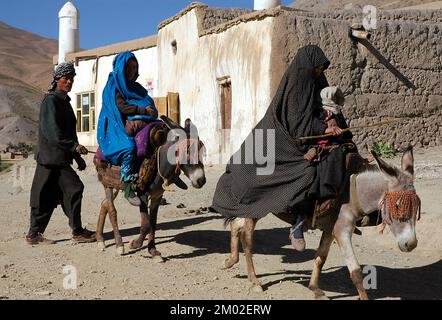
(102, 22)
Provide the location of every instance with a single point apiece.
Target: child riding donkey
(329, 154)
(126, 120)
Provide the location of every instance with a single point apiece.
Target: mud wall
(216, 16)
(396, 75)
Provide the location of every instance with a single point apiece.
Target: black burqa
(241, 191)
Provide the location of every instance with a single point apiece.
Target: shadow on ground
(417, 283)
(266, 242)
(423, 282)
(171, 225)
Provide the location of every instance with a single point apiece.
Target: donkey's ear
(181, 184)
(187, 125)
(190, 127)
(170, 123)
(389, 170)
(408, 161)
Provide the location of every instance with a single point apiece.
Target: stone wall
(397, 75)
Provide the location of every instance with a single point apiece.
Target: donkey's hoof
(101, 246)
(120, 250)
(257, 288)
(158, 259)
(319, 294)
(134, 245)
(228, 263)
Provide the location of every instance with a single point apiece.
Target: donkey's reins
(166, 181)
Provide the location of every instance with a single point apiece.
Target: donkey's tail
(227, 221)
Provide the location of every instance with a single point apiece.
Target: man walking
(55, 182)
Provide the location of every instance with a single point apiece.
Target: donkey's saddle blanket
(354, 164)
(151, 136)
(147, 140)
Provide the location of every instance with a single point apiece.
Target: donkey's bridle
(402, 205)
(183, 147)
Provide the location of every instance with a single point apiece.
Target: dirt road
(195, 246)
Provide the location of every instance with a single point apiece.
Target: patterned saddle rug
(147, 140)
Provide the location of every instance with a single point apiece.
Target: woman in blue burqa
(123, 99)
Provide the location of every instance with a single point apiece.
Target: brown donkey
(182, 152)
(389, 190)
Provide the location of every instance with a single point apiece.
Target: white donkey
(389, 190)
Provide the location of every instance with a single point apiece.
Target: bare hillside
(320, 5)
(25, 73)
(26, 56)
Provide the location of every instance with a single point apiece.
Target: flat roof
(137, 44)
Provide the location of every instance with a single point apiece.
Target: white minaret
(266, 4)
(69, 36)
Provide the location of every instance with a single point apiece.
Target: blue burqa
(117, 146)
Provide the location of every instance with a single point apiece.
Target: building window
(86, 112)
(174, 47)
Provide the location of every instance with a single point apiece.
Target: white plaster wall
(148, 69)
(242, 52)
(85, 82)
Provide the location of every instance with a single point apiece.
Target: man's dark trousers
(53, 186)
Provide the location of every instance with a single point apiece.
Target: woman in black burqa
(293, 113)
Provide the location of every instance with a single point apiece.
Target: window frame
(82, 115)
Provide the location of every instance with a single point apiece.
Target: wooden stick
(352, 128)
